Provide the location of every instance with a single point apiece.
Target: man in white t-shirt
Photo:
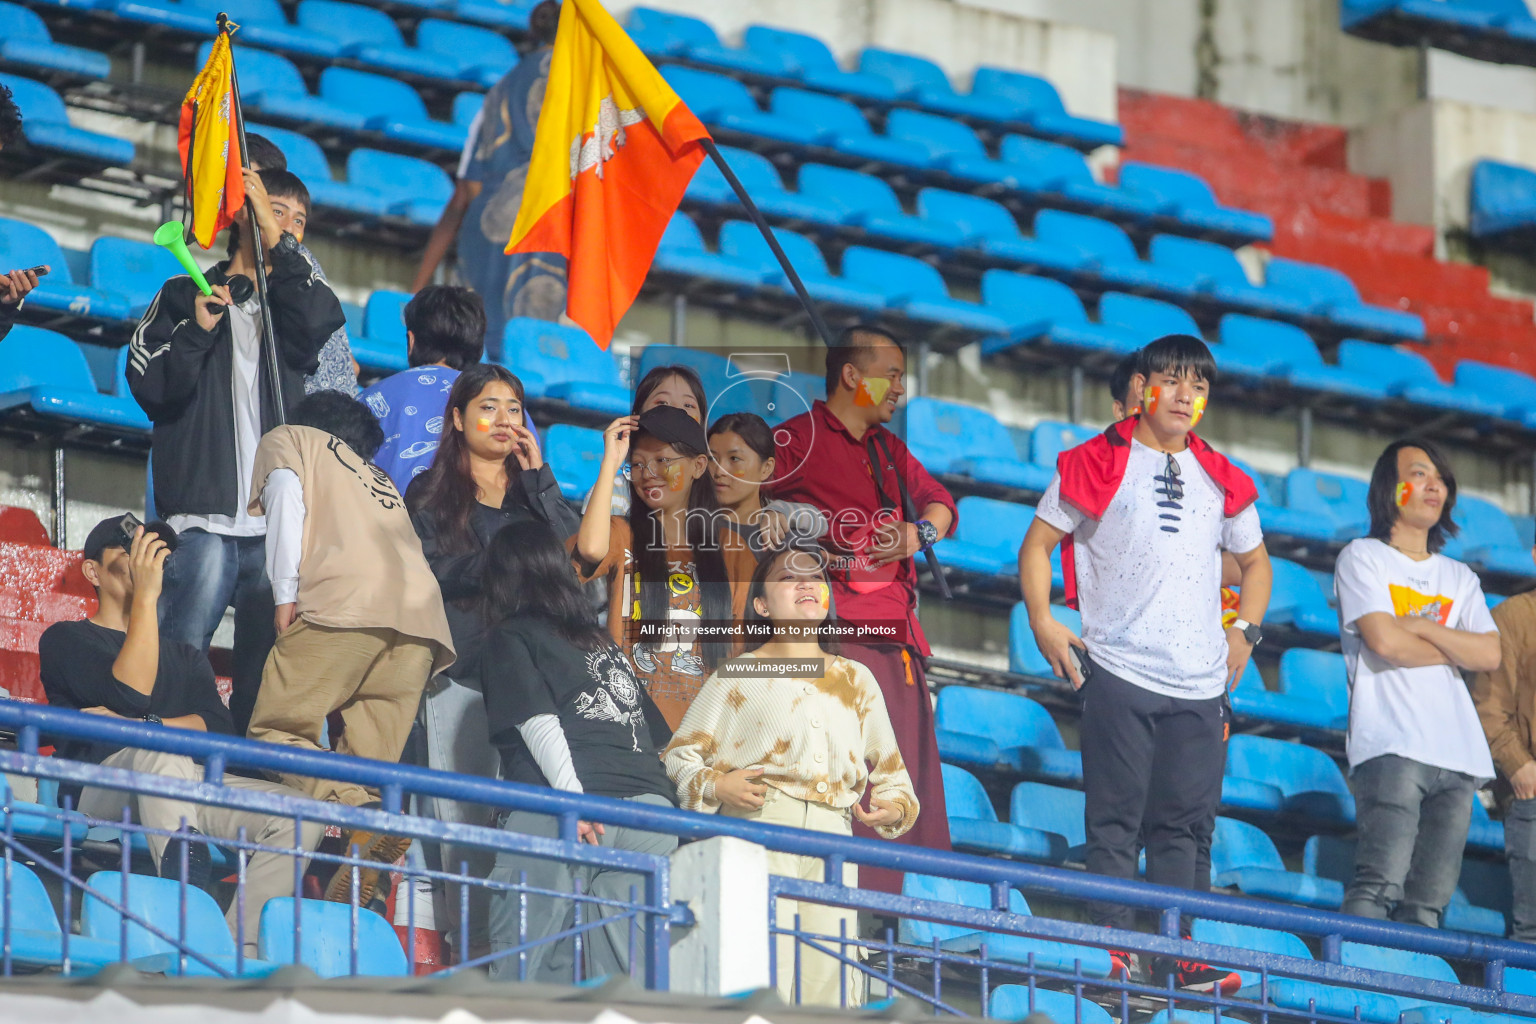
(1146, 510)
(1411, 620)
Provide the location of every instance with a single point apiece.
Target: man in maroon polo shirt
(841, 458)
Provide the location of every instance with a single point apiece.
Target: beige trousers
(266, 874)
(819, 974)
(373, 677)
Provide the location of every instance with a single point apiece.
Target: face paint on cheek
(872, 391)
(1150, 399)
(1404, 493)
(483, 425)
(1199, 410)
(674, 476)
(824, 595)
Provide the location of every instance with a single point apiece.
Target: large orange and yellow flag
(210, 146)
(614, 151)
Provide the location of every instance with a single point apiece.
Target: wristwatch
(927, 534)
(1252, 633)
(287, 243)
(153, 719)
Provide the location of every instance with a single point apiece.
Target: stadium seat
(916, 289)
(133, 270)
(466, 107)
(1036, 101)
(37, 941)
(989, 226)
(1016, 1002)
(1503, 198)
(1110, 254)
(27, 45)
(47, 373)
(1244, 857)
(1188, 197)
(925, 83)
(1409, 376)
(761, 180)
(1248, 937)
(842, 126)
(1487, 538)
(990, 729)
(1332, 501)
(1049, 168)
(724, 102)
(1042, 953)
(1483, 833)
(1333, 858)
(45, 126)
(808, 59)
(412, 188)
(325, 939)
(369, 35)
(1309, 783)
(307, 161)
(1146, 319)
(1268, 348)
(1049, 439)
(973, 823)
(163, 903)
(988, 537)
(506, 14)
(477, 54)
(866, 201)
(262, 23)
(950, 145)
(1515, 390)
(1221, 275)
(389, 106)
(1313, 691)
(678, 35)
(26, 245)
(1480, 28)
(383, 343)
(1053, 810)
(1043, 310)
(744, 244)
(1024, 655)
(1333, 295)
(711, 367)
(574, 454)
(682, 252)
(272, 86)
(948, 437)
(564, 363)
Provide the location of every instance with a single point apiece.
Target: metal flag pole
(268, 340)
(909, 507)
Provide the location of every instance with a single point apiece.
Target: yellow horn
(170, 235)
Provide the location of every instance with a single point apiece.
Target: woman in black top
(565, 709)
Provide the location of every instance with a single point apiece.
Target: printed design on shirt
(434, 425)
(674, 653)
(680, 583)
(377, 404)
(1170, 489)
(1409, 603)
(426, 378)
(417, 449)
(377, 482)
(410, 410)
(617, 697)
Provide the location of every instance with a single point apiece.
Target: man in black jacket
(196, 365)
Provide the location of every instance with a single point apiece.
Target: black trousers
(1152, 768)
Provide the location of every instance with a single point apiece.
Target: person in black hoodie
(196, 366)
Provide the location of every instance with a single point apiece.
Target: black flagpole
(268, 341)
(910, 508)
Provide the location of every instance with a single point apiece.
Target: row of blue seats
(1040, 172)
(1495, 30)
(45, 126)
(265, 24)
(1502, 200)
(26, 45)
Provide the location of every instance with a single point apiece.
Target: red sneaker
(1193, 976)
(1122, 965)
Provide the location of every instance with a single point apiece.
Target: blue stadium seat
(865, 201)
(25, 245)
(808, 59)
(950, 145)
(160, 901)
(1484, 833)
(1042, 953)
(326, 941)
(1221, 276)
(47, 373)
(1313, 691)
(948, 437)
(1024, 655)
(1015, 1002)
(1487, 538)
(563, 362)
(678, 35)
(1298, 600)
(389, 106)
(744, 243)
(1188, 197)
(722, 101)
(1146, 319)
(1503, 198)
(1408, 375)
(307, 161)
(575, 454)
(1336, 501)
(272, 86)
(262, 22)
(414, 189)
(1273, 514)
(1309, 783)
(1050, 438)
(477, 54)
(134, 270)
(1469, 26)
(710, 366)
(45, 126)
(1111, 256)
(1333, 295)
(842, 126)
(761, 179)
(1050, 167)
(508, 14)
(383, 343)
(988, 537)
(1053, 810)
(924, 82)
(989, 226)
(1254, 347)
(990, 729)
(1244, 857)
(466, 107)
(371, 36)
(37, 940)
(794, 393)
(1259, 940)
(26, 44)
(916, 289)
(1040, 309)
(1036, 101)
(682, 252)
(1515, 390)
(973, 823)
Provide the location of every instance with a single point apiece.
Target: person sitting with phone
(116, 665)
(14, 287)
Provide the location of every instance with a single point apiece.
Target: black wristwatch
(927, 534)
(287, 243)
(153, 719)
(1252, 633)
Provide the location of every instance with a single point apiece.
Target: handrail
(394, 780)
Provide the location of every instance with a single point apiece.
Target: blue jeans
(208, 573)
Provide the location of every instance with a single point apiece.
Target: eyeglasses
(1170, 486)
(655, 467)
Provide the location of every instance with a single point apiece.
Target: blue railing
(888, 959)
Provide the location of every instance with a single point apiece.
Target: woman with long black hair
(741, 462)
(676, 386)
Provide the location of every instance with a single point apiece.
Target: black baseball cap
(671, 425)
(109, 534)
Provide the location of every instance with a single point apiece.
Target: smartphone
(1082, 663)
(41, 270)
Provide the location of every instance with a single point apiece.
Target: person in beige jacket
(360, 620)
(1506, 703)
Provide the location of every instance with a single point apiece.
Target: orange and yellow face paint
(1153, 397)
(483, 425)
(673, 474)
(871, 391)
(824, 596)
(1404, 493)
